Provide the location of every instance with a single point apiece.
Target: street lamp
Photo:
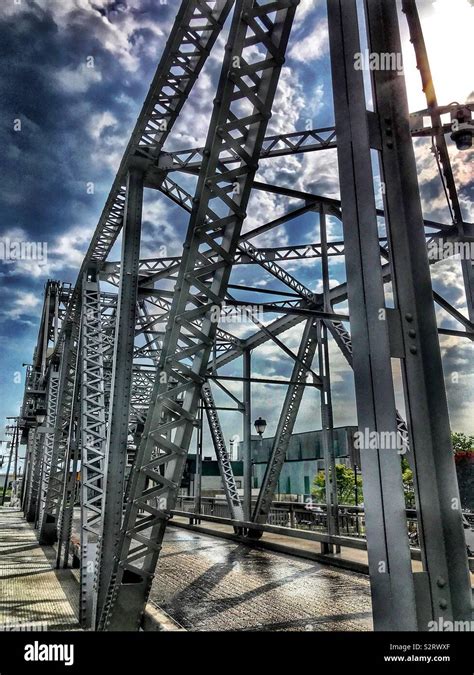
(260, 426)
(40, 415)
(462, 128)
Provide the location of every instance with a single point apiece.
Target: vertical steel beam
(247, 433)
(93, 439)
(55, 473)
(12, 446)
(447, 593)
(198, 473)
(393, 592)
(26, 482)
(52, 396)
(327, 420)
(122, 373)
(66, 512)
(32, 494)
(327, 426)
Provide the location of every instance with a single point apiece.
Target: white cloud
(77, 80)
(314, 45)
(99, 122)
(23, 303)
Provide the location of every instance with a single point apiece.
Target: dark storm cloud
(45, 48)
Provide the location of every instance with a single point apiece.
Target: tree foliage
(463, 446)
(345, 481)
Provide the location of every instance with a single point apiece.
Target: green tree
(345, 481)
(408, 485)
(463, 445)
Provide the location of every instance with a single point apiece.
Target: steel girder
(293, 143)
(393, 593)
(438, 504)
(93, 441)
(223, 459)
(53, 490)
(327, 426)
(121, 384)
(66, 511)
(33, 486)
(400, 599)
(26, 480)
(233, 125)
(273, 146)
(52, 394)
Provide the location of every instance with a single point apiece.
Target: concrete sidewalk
(33, 594)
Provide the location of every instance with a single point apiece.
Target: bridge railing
(308, 516)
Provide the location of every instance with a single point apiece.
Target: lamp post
(40, 415)
(260, 425)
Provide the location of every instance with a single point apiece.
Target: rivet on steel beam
(409, 317)
(412, 332)
(443, 604)
(413, 349)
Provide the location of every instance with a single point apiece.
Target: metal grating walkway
(33, 594)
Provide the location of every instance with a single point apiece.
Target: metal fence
(308, 516)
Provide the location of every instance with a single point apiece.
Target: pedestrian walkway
(33, 594)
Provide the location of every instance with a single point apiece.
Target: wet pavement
(205, 583)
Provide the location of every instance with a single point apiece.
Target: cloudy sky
(75, 121)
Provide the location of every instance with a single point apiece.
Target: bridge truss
(122, 376)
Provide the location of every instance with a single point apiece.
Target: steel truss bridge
(128, 376)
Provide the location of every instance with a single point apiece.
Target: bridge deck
(202, 583)
(206, 583)
(32, 592)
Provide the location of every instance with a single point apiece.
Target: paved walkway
(32, 591)
(205, 583)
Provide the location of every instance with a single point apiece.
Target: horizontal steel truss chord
(169, 188)
(295, 142)
(253, 25)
